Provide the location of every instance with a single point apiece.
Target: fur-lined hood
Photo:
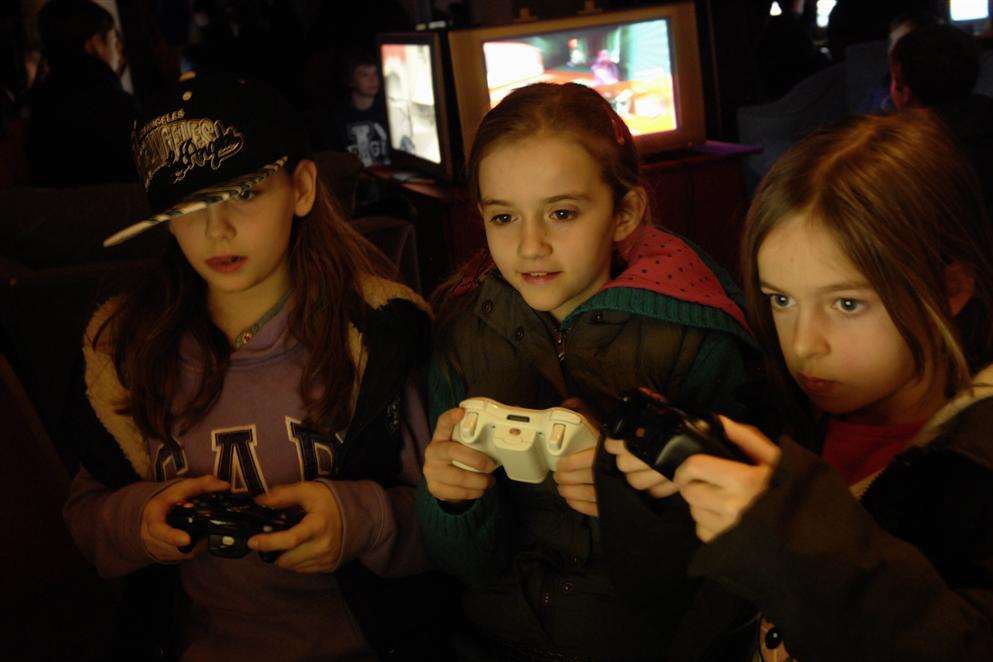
(939, 427)
(106, 393)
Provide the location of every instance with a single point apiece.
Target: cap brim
(197, 201)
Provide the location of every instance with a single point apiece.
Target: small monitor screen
(824, 9)
(410, 102)
(969, 10)
(630, 64)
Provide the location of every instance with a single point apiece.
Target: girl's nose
(217, 225)
(533, 243)
(810, 335)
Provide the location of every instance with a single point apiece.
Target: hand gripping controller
(527, 443)
(663, 436)
(227, 521)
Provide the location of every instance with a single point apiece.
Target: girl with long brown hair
(575, 296)
(269, 355)
(868, 258)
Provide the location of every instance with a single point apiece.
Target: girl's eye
(780, 301)
(501, 219)
(563, 214)
(849, 305)
(245, 196)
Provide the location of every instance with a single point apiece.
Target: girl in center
(575, 298)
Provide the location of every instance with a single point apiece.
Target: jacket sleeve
(838, 586)
(106, 524)
(466, 543)
(379, 527)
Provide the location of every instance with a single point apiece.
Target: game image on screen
(629, 64)
(410, 100)
(970, 10)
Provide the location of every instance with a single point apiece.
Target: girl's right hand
(446, 481)
(639, 475)
(161, 540)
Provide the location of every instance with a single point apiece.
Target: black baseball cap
(212, 138)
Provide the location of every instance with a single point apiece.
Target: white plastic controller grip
(527, 443)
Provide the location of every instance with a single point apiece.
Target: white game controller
(527, 443)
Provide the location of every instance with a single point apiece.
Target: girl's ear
(629, 213)
(900, 92)
(304, 187)
(960, 283)
(94, 46)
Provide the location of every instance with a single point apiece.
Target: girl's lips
(814, 386)
(226, 263)
(539, 277)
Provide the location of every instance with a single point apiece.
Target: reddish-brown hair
(903, 204)
(327, 259)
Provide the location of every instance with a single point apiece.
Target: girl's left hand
(574, 477)
(314, 544)
(718, 491)
(574, 472)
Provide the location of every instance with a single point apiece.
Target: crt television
(413, 73)
(645, 62)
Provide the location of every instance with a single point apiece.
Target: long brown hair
(903, 204)
(569, 109)
(327, 259)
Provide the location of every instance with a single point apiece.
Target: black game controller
(228, 521)
(663, 436)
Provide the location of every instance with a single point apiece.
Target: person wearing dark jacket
(81, 117)
(575, 297)
(867, 254)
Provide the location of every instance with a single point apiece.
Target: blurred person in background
(81, 117)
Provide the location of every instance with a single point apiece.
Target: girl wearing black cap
(268, 354)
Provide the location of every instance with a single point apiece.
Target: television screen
(408, 82)
(645, 62)
(969, 10)
(630, 64)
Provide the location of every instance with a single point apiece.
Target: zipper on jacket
(560, 344)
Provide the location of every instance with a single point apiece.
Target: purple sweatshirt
(244, 608)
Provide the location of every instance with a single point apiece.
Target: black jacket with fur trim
(903, 571)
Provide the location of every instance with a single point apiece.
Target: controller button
(266, 529)
(515, 431)
(227, 541)
(558, 435)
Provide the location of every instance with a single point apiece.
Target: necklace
(250, 332)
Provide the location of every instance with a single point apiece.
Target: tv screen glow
(410, 102)
(629, 64)
(970, 10)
